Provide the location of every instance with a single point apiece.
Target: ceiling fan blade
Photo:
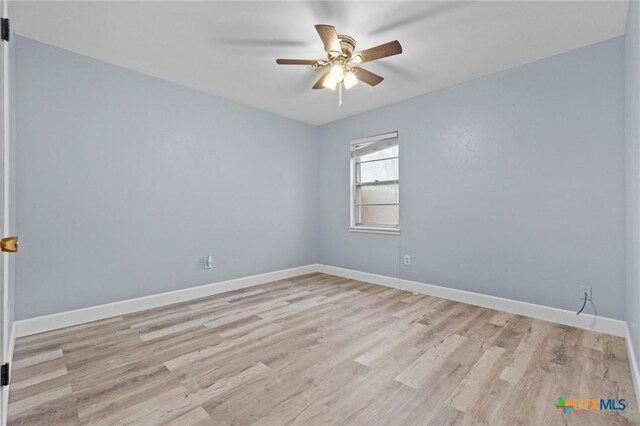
(367, 76)
(319, 83)
(296, 61)
(381, 51)
(329, 38)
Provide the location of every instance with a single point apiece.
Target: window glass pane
(379, 170)
(379, 215)
(385, 153)
(373, 162)
(379, 194)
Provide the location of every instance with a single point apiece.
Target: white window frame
(353, 226)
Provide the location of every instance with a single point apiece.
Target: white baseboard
(561, 316)
(44, 323)
(633, 363)
(79, 316)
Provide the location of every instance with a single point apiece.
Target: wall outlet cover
(208, 262)
(407, 260)
(585, 289)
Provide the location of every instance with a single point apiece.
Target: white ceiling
(229, 48)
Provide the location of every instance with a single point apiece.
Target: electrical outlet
(208, 262)
(407, 260)
(585, 289)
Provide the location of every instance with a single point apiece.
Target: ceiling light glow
(329, 83)
(337, 73)
(350, 80)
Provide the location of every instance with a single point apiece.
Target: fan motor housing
(348, 44)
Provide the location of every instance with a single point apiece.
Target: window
(375, 184)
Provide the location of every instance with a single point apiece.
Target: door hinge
(4, 375)
(5, 30)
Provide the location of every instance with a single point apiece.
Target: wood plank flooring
(318, 349)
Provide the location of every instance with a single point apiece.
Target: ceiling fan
(342, 64)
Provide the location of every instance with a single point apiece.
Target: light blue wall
(126, 182)
(632, 163)
(511, 185)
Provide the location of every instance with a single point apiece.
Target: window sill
(375, 230)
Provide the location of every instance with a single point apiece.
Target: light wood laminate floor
(317, 349)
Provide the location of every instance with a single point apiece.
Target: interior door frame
(6, 334)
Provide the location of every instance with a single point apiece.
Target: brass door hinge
(9, 244)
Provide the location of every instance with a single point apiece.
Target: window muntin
(375, 183)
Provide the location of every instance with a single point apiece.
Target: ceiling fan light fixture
(329, 83)
(350, 80)
(341, 68)
(336, 73)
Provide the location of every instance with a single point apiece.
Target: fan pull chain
(339, 95)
